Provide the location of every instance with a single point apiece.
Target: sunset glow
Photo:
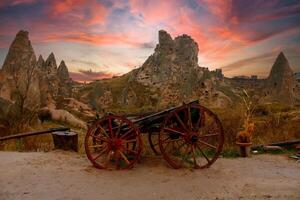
(99, 39)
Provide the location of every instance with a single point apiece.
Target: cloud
(94, 39)
(270, 56)
(89, 75)
(4, 3)
(222, 28)
(91, 11)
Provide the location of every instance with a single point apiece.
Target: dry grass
(270, 126)
(275, 123)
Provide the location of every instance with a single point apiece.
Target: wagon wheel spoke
(180, 121)
(100, 154)
(173, 131)
(194, 156)
(104, 132)
(125, 135)
(119, 129)
(110, 127)
(100, 138)
(130, 141)
(207, 144)
(208, 135)
(201, 120)
(190, 123)
(202, 152)
(130, 150)
(124, 157)
(98, 145)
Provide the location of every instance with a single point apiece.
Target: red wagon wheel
(191, 136)
(113, 142)
(154, 142)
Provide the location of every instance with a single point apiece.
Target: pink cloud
(4, 3)
(88, 11)
(156, 10)
(220, 8)
(95, 39)
(89, 75)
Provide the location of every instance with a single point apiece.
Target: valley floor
(65, 175)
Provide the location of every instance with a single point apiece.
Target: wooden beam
(20, 135)
(285, 143)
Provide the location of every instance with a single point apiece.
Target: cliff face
(280, 85)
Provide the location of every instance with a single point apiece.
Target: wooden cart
(189, 135)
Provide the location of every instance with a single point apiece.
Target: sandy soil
(65, 175)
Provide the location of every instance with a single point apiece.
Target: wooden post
(65, 140)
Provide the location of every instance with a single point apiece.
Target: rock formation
(171, 60)
(19, 70)
(173, 69)
(40, 62)
(62, 72)
(20, 54)
(50, 64)
(280, 84)
(48, 84)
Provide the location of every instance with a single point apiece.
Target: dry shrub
(276, 127)
(245, 136)
(271, 127)
(232, 120)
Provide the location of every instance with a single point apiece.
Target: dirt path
(64, 175)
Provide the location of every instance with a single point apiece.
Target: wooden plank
(20, 135)
(285, 143)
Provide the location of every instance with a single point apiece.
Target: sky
(102, 38)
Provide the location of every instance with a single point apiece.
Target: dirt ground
(65, 175)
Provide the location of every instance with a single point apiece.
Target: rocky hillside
(170, 76)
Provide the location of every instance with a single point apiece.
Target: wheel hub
(116, 144)
(194, 138)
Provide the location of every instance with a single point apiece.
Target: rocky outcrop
(62, 72)
(19, 72)
(20, 54)
(50, 64)
(47, 82)
(41, 62)
(172, 61)
(280, 85)
(174, 71)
